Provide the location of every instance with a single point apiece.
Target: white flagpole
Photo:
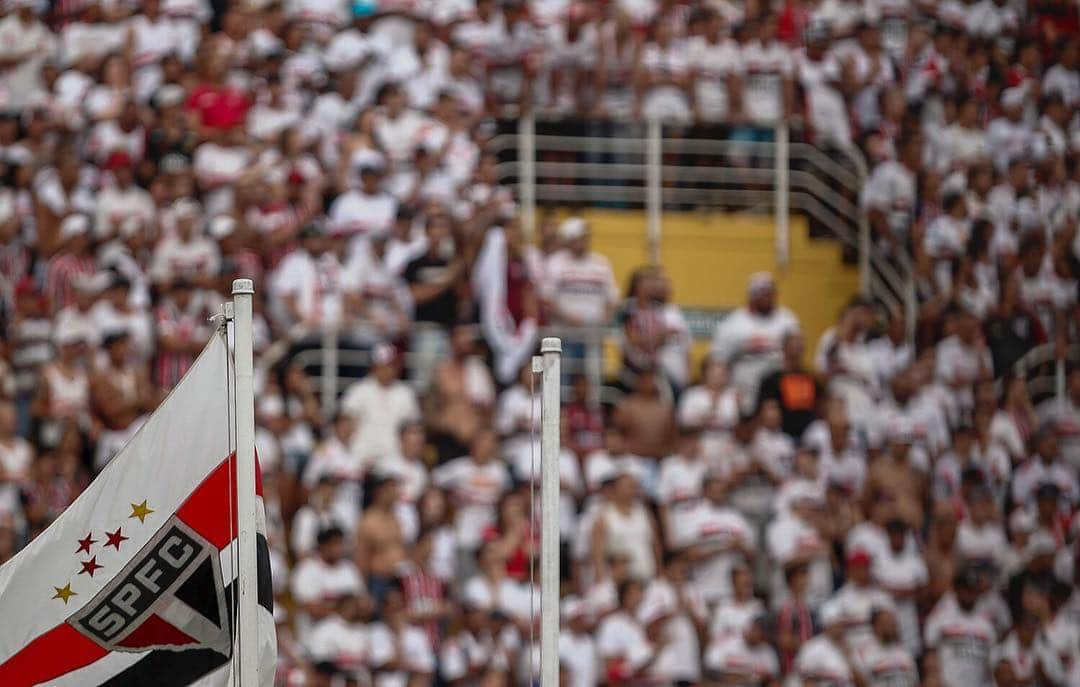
(551, 351)
(247, 624)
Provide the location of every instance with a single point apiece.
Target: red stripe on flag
(206, 509)
(57, 652)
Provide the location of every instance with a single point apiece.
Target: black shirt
(442, 309)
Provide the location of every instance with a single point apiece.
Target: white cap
(760, 282)
(74, 225)
(831, 613)
(347, 50)
(383, 354)
(573, 228)
(573, 607)
(222, 226)
(1012, 97)
(1022, 520)
(185, 208)
(263, 43)
(169, 95)
(72, 333)
(131, 226)
(652, 610)
(270, 405)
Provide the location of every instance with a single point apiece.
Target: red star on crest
(85, 544)
(115, 538)
(90, 566)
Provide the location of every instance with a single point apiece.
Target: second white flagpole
(550, 448)
(243, 291)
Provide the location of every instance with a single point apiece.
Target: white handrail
(653, 199)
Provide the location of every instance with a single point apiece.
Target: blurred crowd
(874, 508)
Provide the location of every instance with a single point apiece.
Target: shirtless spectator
(380, 545)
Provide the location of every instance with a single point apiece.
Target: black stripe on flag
(164, 668)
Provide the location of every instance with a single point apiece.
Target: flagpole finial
(240, 286)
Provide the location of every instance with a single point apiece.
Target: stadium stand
(815, 265)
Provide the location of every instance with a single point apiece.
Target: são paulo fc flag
(134, 584)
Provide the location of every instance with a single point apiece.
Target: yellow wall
(710, 255)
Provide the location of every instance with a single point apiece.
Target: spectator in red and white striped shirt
(74, 260)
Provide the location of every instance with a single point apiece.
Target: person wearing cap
(746, 657)
(579, 286)
(379, 404)
(63, 389)
(186, 252)
(123, 199)
(858, 597)
(577, 646)
(1064, 416)
(81, 313)
(749, 339)
(74, 261)
(1010, 134)
(625, 525)
(794, 535)
(825, 659)
(961, 637)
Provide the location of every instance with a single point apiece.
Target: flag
(134, 584)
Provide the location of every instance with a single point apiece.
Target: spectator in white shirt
(824, 659)
(746, 658)
(379, 404)
(579, 286)
(750, 338)
(321, 580)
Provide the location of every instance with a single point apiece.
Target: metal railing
(333, 363)
(640, 167)
(1045, 371)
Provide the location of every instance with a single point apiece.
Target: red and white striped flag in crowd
(135, 583)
